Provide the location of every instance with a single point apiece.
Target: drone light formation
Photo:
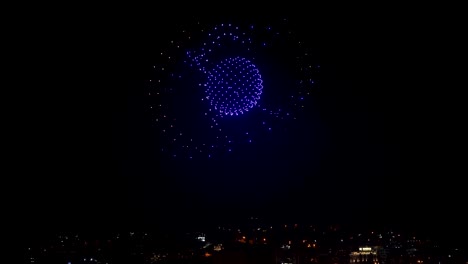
(212, 91)
(234, 86)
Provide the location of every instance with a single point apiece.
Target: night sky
(375, 145)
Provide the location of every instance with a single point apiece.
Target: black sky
(384, 150)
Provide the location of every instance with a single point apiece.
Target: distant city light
(201, 238)
(412, 249)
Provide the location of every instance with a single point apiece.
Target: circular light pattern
(224, 87)
(234, 86)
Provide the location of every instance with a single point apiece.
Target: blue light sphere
(218, 88)
(234, 86)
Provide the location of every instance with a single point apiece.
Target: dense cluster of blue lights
(211, 74)
(234, 86)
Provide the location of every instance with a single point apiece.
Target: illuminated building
(201, 237)
(364, 255)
